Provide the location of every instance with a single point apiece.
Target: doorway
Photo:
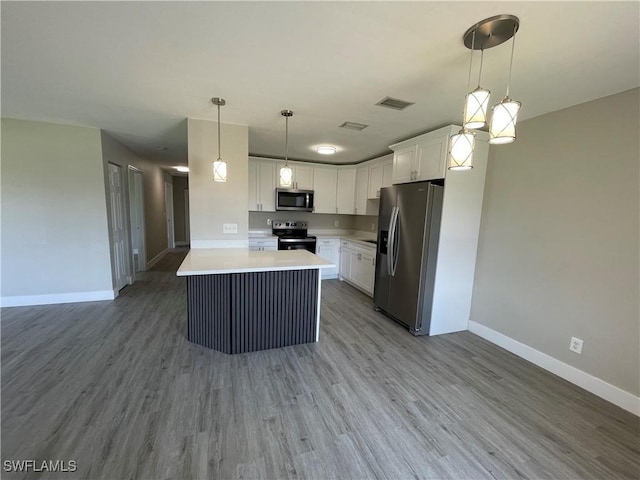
(119, 242)
(136, 220)
(168, 209)
(187, 224)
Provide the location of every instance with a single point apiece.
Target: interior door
(168, 206)
(136, 219)
(118, 231)
(187, 224)
(405, 284)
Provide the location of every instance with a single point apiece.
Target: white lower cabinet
(263, 244)
(358, 265)
(329, 249)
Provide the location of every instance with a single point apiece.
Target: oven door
(308, 244)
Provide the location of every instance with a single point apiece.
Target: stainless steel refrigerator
(407, 250)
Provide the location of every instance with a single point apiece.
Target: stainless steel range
(292, 235)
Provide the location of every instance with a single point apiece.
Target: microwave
(298, 200)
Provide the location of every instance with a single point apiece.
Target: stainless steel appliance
(296, 200)
(408, 232)
(292, 235)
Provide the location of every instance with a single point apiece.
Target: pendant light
(504, 115)
(476, 102)
(462, 144)
(219, 166)
(286, 174)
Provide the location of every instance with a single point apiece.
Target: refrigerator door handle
(390, 243)
(394, 264)
(391, 260)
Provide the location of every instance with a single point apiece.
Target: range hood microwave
(297, 200)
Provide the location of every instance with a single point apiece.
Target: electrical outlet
(268, 221)
(336, 223)
(576, 345)
(373, 227)
(229, 228)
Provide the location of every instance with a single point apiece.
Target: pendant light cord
(513, 45)
(481, 62)
(219, 133)
(473, 44)
(286, 141)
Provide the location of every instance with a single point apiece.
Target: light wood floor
(116, 387)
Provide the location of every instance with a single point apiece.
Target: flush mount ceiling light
(326, 150)
(182, 169)
(485, 34)
(219, 166)
(286, 174)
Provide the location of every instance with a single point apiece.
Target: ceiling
(138, 70)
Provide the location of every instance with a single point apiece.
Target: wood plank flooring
(116, 387)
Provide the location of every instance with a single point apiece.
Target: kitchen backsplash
(258, 220)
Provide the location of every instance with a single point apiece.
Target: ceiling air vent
(394, 103)
(354, 126)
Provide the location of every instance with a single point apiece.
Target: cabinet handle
(336, 209)
(378, 193)
(359, 256)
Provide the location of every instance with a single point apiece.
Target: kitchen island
(242, 301)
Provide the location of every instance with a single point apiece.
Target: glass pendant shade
(504, 116)
(286, 176)
(219, 171)
(461, 150)
(475, 108)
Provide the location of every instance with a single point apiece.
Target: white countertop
(210, 261)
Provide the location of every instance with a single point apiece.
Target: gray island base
(242, 301)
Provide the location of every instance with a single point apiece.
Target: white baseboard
(602, 389)
(74, 297)
(329, 277)
(220, 243)
(156, 259)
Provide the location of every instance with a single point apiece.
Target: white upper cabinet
(404, 161)
(262, 185)
(362, 189)
(377, 173)
(325, 181)
(302, 176)
(423, 157)
(345, 195)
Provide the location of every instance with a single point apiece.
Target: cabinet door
(366, 271)
(375, 180)
(362, 185)
(345, 261)
(328, 249)
(303, 177)
(267, 186)
(254, 202)
(345, 196)
(324, 186)
(354, 267)
(387, 174)
(431, 158)
(403, 164)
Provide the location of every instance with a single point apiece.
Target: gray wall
(153, 178)
(180, 184)
(55, 238)
(558, 254)
(212, 204)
